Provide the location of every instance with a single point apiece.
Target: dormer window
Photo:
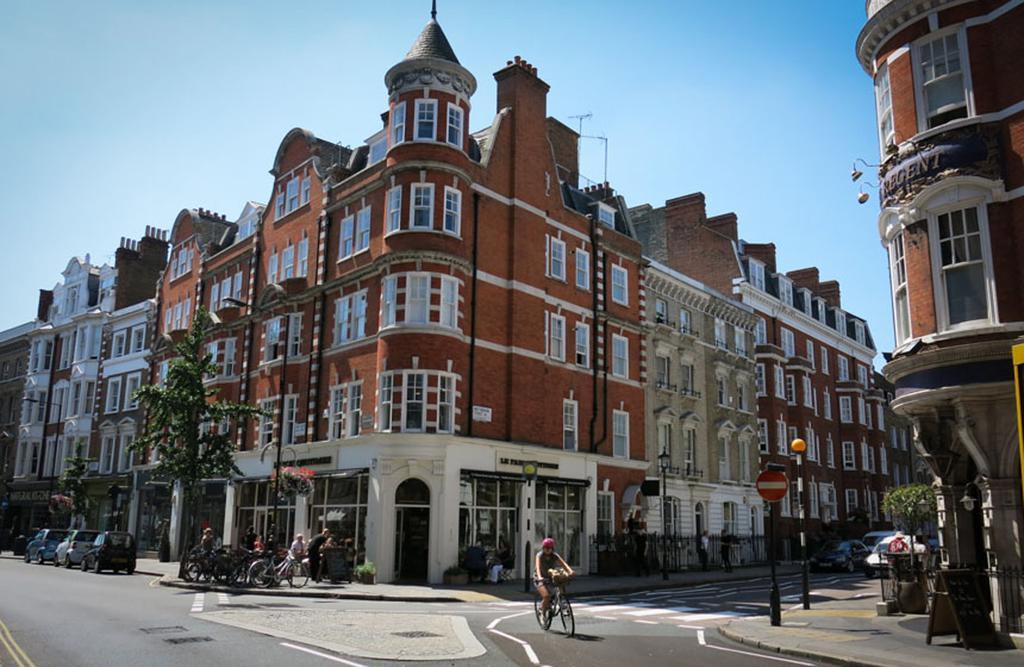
(426, 120)
(756, 271)
(822, 309)
(805, 301)
(378, 150)
(858, 331)
(785, 290)
(455, 125)
(71, 300)
(398, 124)
(606, 215)
(181, 262)
(841, 322)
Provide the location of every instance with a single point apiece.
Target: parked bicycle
(559, 607)
(273, 569)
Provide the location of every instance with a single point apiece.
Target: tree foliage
(186, 420)
(911, 506)
(72, 484)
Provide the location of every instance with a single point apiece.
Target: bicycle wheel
(543, 620)
(568, 620)
(261, 574)
(193, 571)
(299, 575)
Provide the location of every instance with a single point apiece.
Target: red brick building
(452, 306)
(814, 377)
(950, 110)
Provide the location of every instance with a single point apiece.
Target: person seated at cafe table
(475, 562)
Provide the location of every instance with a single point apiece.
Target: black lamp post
(664, 463)
(282, 341)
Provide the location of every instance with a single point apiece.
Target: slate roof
(432, 44)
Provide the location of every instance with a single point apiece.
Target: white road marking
(223, 599)
(694, 618)
(493, 627)
(198, 602)
(607, 618)
(691, 627)
(325, 656)
(758, 655)
(700, 638)
(649, 612)
(647, 622)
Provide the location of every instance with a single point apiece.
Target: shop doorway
(412, 530)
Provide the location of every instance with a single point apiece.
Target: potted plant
(295, 481)
(456, 576)
(366, 573)
(912, 506)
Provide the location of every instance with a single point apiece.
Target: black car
(846, 555)
(112, 550)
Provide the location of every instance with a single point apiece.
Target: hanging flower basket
(295, 482)
(61, 504)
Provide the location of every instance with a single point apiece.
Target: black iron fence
(1004, 592)
(615, 555)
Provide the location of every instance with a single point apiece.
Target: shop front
(151, 505)
(28, 507)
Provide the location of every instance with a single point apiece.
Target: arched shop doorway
(412, 530)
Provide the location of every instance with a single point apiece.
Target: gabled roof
(432, 44)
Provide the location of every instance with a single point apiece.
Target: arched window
(412, 492)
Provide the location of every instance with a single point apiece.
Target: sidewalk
(849, 633)
(508, 591)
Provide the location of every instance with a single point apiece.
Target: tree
(911, 507)
(71, 482)
(185, 425)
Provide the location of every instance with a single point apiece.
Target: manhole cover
(187, 640)
(415, 634)
(165, 630)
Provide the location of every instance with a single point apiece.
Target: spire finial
(433, 9)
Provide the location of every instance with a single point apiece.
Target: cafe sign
(516, 464)
(971, 152)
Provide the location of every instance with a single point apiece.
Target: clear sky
(117, 114)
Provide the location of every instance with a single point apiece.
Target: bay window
(422, 211)
(426, 120)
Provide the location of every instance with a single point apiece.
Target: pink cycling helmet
(548, 543)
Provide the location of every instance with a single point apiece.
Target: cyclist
(547, 560)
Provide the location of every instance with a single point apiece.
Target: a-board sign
(960, 608)
(335, 566)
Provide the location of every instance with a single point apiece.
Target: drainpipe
(472, 306)
(320, 345)
(595, 442)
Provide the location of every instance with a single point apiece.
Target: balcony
(686, 330)
(688, 392)
(664, 385)
(663, 321)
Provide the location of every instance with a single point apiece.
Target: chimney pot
(518, 59)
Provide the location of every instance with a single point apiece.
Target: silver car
(70, 551)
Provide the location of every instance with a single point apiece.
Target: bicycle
(272, 570)
(559, 605)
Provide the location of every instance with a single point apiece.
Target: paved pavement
(847, 631)
(62, 617)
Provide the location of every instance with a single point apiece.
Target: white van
(876, 536)
(877, 561)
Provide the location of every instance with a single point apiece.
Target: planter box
(367, 578)
(456, 579)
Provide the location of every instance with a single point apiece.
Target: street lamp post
(664, 461)
(799, 447)
(282, 385)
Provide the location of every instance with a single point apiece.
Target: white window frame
(620, 282)
(788, 340)
(389, 301)
(570, 425)
(362, 229)
(620, 362)
(455, 111)
(760, 380)
(883, 108)
(846, 409)
(347, 237)
(112, 400)
(620, 434)
(449, 316)
(131, 384)
(938, 271)
(416, 302)
(785, 290)
(762, 436)
(556, 258)
(398, 124)
(582, 337)
(394, 210)
(756, 270)
(407, 387)
(582, 269)
(902, 325)
(415, 191)
(779, 381)
(421, 105)
(556, 336)
(445, 403)
(452, 211)
(920, 94)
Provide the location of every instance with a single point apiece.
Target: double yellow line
(17, 654)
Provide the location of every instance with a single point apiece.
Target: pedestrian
(702, 550)
(726, 551)
(640, 553)
(249, 539)
(298, 548)
(208, 543)
(475, 562)
(313, 551)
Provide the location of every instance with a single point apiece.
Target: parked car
(70, 551)
(111, 550)
(846, 555)
(876, 536)
(42, 547)
(877, 561)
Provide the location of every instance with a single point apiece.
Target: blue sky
(116, 115)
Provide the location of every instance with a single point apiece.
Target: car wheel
(85, 564)
(26, 556)
(96, 567)
(130, 570)
(67, 562)
(56, 563)
(851, 567)
(868, 573)
(39, 557)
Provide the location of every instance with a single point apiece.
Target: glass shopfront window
(255, 507)
(489, 514)
(339, 504)
(559, 515)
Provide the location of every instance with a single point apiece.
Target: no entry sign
(772, 485)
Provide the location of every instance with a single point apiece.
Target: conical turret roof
(432, 44)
